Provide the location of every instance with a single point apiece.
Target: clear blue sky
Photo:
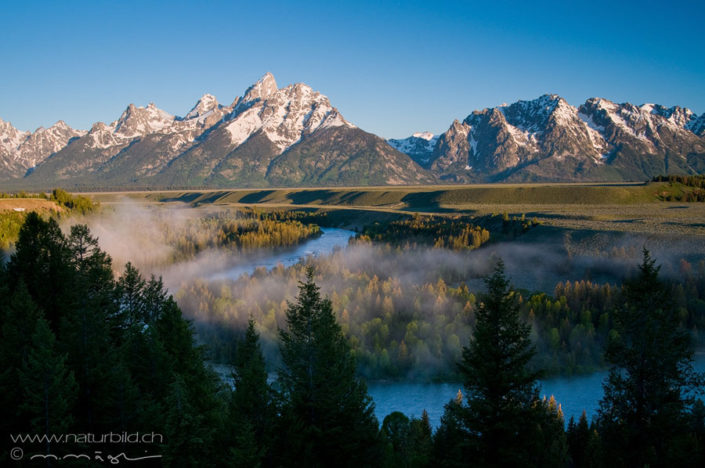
(391, 68)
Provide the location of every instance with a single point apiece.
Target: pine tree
(252, 410)
(421, 441)
(48, 386)
(42, 261)
(396, 432)
(583, 443)
(327, 412)
(503, 416)
(642, 415)
(18, 320)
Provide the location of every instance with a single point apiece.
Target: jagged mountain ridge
(547, 139)
(294, 136)
(217, 145)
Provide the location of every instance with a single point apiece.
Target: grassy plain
(29, 204)
(625, 208)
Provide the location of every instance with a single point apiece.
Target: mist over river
(329, 240)
(575, 394)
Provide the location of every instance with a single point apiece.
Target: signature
(97, 456)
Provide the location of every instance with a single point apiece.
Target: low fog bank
(537, 261)
(383, 296)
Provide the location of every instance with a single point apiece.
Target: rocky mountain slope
(293, 136)
(547, 139)
(270, 135)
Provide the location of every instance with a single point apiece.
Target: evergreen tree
(503, 416)
(550, 443)
(130, 298)
(421, 441)
(583, 443)
(327, 414)
(187, 440)
(396, 432)
(196, 390)
(408, 441)
(18, 320)
(252, 410)
(48, 386)
(642, 415)
(42, 261)
(697, 429)
(451, 442)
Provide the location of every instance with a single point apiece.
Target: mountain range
(293, 136)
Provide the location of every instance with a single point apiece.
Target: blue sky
(392, 68)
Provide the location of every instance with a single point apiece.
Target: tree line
(695, 182)
(238, 231)
(451, 232)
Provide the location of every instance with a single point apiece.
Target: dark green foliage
(503, 423)
(583, 443)
(252, 409)
(697, 181)
(48, 387)
(451, 444)
(550, 446)
(408, 442)
(650, 385)
(117, 355)
(697, 431)
(19, 315)
(42, 261)
(327, 414)
(110, 357)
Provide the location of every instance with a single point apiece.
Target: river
(575, 394)
(325, 244)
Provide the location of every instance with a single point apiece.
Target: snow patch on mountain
(284, 116)
(10, 137)
(203, 108)
(416, 143)
(21, 150)
(697, 125)
(473, 145)
(136, 122)
(623, 118)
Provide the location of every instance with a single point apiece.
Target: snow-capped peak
(261, 90)
(419, 145)
(423, 135)
(284, 115)
(678, 116)
(139, 121)
(206, 104)
(10, 137)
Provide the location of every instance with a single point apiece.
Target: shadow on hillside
(425, 201)
(185, 198)
(310, 197)
(256, 197)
